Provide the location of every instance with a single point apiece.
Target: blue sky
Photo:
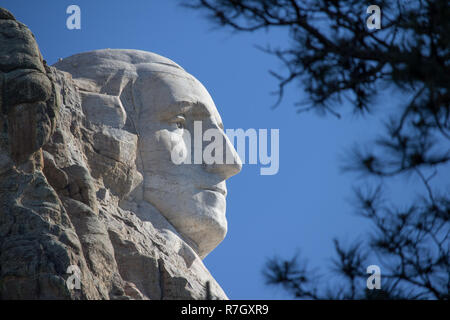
(302, 207)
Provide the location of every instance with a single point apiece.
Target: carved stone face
(190, 196)
(163, 102)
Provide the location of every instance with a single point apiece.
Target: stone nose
(231, 163)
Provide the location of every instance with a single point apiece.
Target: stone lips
(66, 180)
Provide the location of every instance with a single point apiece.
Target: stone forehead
(108, 71)
(102, 65)
(122, 56)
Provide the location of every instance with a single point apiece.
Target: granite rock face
(68, 176)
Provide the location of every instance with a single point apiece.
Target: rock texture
(66, 173)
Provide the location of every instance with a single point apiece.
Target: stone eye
(180, 121)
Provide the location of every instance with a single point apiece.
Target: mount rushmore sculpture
(87, 185)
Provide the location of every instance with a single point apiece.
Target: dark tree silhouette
(333, 56)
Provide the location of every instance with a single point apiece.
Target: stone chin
(199, 218)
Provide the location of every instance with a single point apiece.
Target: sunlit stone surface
(86, 176)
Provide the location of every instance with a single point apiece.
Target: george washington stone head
(156, 100)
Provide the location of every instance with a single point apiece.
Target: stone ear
(130, 105)
(103, 109)
(115, 83)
